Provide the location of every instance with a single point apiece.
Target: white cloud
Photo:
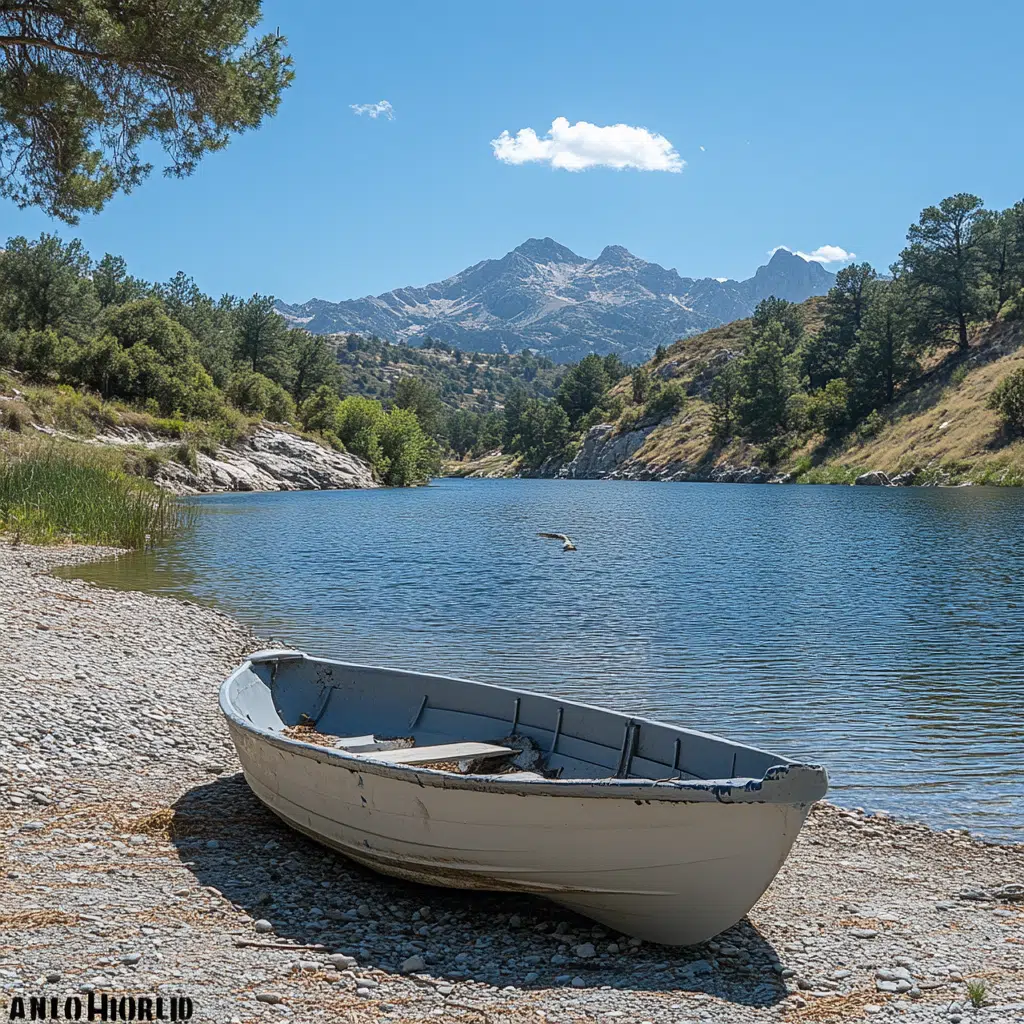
(823, 254)
(828, 254)
(721, 280)
(575, 147)
(375, 110)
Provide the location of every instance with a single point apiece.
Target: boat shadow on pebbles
(297, 892)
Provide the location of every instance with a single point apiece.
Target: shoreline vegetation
(135, 844)
(50, 492)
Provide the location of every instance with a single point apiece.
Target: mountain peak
(544, 297)
(789, 276)
(616, 255)
(782, 256)
(547, 250)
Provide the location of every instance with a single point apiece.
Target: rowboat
(656, 831)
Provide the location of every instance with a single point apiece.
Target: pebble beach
(135, 861)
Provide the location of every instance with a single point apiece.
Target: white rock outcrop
(267, 460)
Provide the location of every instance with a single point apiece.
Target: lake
(877, 631)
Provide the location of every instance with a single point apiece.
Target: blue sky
(821, 124)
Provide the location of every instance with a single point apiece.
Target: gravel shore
(134, 860)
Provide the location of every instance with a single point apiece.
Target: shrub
(282, 407)
(43, 355)
(249, 391)
(828, 408)
(802, 465)
(607, 412)
(958, 376)
(16, 415)
(871, 425)
(319, 412)
(1013, 309)
(665, 401)
(408, 455)
(186, 454)
(160, 362)
(1008, 399)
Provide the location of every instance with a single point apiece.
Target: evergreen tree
(823, 357)
(614, 368)
(113, 285)
(944, 265)
(210, 323)
(515, 406)
(84, 84)
(885, 355)
(782, 312)
(1002, 251)
(314, 363)
(45, 284)
(416, 394)
(261, 337)
(583, 387)
(766, 382)
(724, 394)
(641, 382)
(543, 432)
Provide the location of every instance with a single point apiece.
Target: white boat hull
(674, 872)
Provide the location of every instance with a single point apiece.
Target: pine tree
(944, 265)
(84, 84)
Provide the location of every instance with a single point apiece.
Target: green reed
(52, 492)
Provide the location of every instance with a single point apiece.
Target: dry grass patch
(169, 824)
(25, 919)
(837, 1008)
(492, 464)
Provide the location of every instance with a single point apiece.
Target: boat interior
(435, 722)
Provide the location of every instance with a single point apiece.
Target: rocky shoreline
(134, 860)
(607, 454)
(267, 459)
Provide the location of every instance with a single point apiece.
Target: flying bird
(567, 545)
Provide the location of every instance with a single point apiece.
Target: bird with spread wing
(567, 545)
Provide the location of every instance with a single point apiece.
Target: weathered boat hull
(668, 862)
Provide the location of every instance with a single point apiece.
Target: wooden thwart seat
(441, 752)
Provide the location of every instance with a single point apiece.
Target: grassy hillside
(940, 427)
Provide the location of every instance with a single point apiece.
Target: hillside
(940, 431)
(545, 297)
(474, 381)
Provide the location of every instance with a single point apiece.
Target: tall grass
(52, 492)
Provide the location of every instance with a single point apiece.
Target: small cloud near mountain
(576, 147)
(823, 254)
(380, 109)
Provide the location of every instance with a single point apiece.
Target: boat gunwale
(809, 781)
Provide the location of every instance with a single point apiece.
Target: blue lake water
(877, 631)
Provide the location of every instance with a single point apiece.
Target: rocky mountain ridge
(543, 296)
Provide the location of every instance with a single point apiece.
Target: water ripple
(876, 631)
